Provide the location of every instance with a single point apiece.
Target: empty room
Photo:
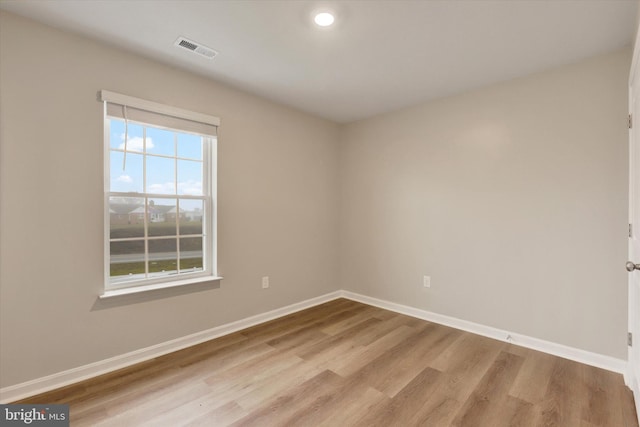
(320, 213)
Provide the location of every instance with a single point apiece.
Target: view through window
(159, 202)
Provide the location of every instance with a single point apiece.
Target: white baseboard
(61, 379)
(594, 359)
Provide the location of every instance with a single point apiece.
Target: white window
(160, 180)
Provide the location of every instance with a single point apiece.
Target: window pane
(162, 217)
(189, 177)
(160, 141)
(129, 179)
(135, 142)
(191, 213)
(116, 132)
(190, 146)
(127, 260)
(126, 217)
(191, 254)
(163, 256)
(160, 175)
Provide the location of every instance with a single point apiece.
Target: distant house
(194, 215)
(156, 213)
(136, 216)
(127, 213)
(122, 213)
(172, 212)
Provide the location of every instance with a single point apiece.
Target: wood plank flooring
(348, 364)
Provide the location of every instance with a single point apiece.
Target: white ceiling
(380, 55)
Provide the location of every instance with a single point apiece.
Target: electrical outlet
(265, 282)
(426, 281)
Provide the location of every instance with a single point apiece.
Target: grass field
(123, 231)
(126, 268)
(156, 229)
(170, 244)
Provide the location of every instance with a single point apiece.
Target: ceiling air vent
(195, 47)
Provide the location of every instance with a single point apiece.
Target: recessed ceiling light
(324, 19)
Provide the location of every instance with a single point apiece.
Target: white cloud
(136, 143)
(124, 178)
(190, 187)
(165, 188)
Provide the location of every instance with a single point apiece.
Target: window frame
(209, 219)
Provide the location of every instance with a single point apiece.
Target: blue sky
(161, 171)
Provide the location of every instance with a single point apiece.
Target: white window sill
(157, 286)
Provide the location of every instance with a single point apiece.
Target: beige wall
(277, 204)
(512, 198)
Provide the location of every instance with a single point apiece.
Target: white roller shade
(153, 113)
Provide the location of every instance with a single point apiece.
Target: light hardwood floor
(348, 364)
